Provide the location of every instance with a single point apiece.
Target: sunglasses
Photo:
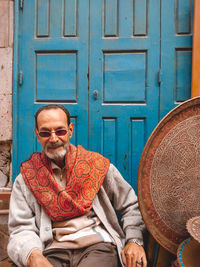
(46, 134)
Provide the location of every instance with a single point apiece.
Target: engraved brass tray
(169, 175)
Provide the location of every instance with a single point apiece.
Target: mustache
(56, 145)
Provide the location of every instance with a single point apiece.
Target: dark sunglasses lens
(44, 134)
(61, 132)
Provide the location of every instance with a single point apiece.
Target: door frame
(17, 11)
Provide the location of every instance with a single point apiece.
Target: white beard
(57, 154)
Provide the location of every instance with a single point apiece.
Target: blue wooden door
(53, 66)
(117, 65)
(124, 91)
(176, 53)
(140, 69)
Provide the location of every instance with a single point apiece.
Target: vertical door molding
(176, 53)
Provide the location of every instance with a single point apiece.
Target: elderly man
(62, 208)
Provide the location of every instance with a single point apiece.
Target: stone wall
(6, 62)
(6, 55)
(5, 163)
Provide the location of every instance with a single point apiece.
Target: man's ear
(37, 134)
(71, 127)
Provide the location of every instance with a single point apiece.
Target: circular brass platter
(169, 175)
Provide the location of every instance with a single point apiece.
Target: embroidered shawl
(85, 173)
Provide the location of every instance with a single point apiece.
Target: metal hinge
(21, 4)
(20, 78)
(159, 77)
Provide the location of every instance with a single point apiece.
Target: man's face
(54, 123)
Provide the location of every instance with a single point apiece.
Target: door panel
(176, 53)
(124, 63)
(53, 56)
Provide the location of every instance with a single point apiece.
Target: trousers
(97, 255)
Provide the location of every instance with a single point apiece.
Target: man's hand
(36, 259)
(133, 253)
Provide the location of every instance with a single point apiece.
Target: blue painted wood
(56, 82)
(140, 17)
(124, 70)
(183, 75)
(42, 18)
(56, 21)
(54, 71)
(124, 77)
(70, 18)
(109, 133)
(138, 138)
(173, 46)
(125, 19)
(183, 16)
(111, 17)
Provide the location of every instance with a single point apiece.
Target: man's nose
(53, 137)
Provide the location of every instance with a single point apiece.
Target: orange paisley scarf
(85, 173)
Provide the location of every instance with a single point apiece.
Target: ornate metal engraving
(169, 175)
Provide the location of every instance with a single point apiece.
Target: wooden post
(196, 51)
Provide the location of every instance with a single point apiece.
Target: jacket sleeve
(24, 233)
(124, 200)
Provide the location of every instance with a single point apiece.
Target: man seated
(63, 202)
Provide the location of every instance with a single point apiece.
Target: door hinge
(20, 78)
(159, 77)
(21, 4)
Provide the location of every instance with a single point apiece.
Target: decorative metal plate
(169, 175)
